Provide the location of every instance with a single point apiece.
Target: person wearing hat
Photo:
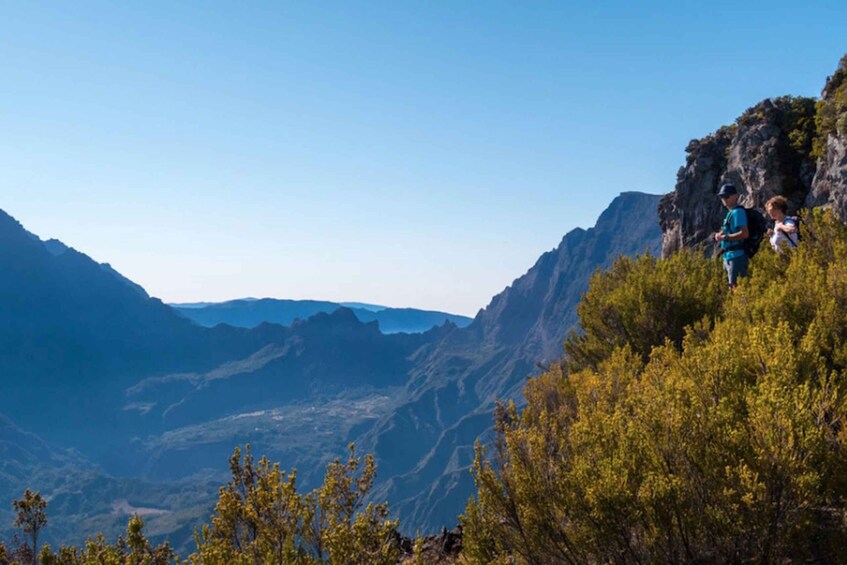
(732, 235)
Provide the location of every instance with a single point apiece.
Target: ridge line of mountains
(152, 403)
(251, 312)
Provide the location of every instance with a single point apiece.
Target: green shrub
(643, 302)
(725, 445)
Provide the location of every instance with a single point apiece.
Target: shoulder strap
(788, 237)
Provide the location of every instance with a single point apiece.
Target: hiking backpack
(757, 227)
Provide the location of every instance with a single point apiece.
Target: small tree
(31, 517)
(261, 518)
(339, 527)
(642, 302)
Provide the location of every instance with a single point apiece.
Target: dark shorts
(736, 268)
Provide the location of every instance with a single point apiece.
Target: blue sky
(404, 153)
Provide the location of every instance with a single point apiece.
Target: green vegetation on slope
(260, 517)
(722, 442)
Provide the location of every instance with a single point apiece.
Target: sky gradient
(413, 154)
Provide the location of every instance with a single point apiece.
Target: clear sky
(416, 154)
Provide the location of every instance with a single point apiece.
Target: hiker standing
(732, 235)
(785, 230)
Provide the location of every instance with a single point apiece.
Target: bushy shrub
(723, 443)
(261, 518)
(134, 549)
(643, 302)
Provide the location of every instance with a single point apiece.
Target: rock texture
(794, 147)
(829, 187)
(830, 184)
(441, 549)
(765, 153)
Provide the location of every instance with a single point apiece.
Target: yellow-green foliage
(134, 549)
(724, 445)
(641, 302)
(261, 518)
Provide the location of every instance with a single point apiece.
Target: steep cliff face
(794, 147)
(765, 153)
(829, 187)
(540, 307)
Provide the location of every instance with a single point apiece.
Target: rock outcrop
(790, 146)
(829, 187)
(765, 153)
(441, 549)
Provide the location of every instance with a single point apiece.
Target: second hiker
(785, 229)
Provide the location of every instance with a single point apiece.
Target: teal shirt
(735, 219)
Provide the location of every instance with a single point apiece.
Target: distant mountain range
(74, 334)
(251, 312)
(144, 396)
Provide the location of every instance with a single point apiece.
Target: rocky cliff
(790, 146)
(829, 187)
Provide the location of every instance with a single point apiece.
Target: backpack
(757, 226)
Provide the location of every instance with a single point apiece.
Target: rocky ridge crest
(790, 146)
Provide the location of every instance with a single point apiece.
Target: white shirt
(780, 238)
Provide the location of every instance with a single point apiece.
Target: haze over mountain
(75, 334)
(143, 394)
(251, 312)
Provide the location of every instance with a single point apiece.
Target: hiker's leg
(741, 264)
(731, 274)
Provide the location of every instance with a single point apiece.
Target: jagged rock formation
(441, 549)
(143, 392)
(829, 187)
(74, 334)
(765, 153)
(786, 146)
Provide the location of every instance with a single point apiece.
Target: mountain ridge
(299, 393)
(249, 313)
